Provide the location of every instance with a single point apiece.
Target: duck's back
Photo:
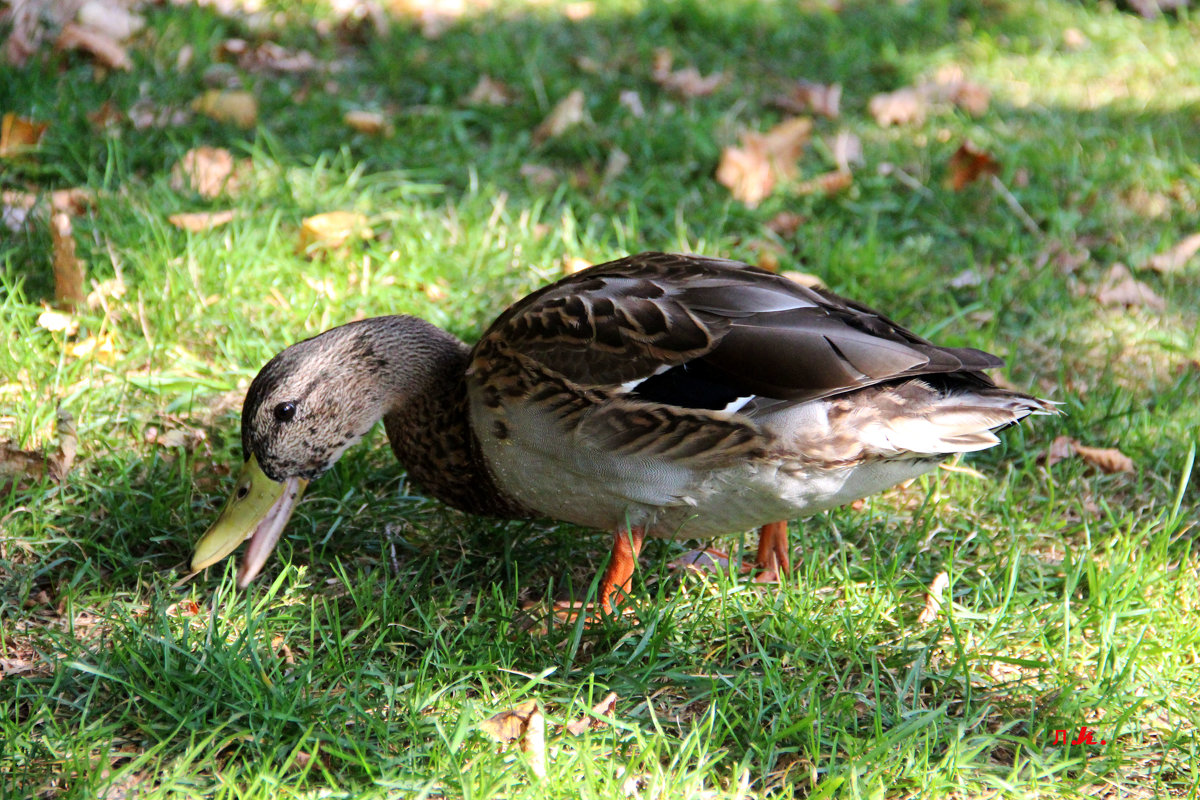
(668, 386)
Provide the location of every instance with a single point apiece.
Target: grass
(383, 632)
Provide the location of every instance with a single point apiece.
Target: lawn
(372, 656)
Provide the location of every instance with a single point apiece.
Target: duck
(658, 395)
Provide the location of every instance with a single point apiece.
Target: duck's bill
(258, 510)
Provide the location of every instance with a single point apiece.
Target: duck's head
(305, 407)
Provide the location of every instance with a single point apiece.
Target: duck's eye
(285, 411)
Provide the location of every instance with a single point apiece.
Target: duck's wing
(704, 333)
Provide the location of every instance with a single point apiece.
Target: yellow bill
(258, 510)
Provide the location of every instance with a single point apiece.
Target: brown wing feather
(761, 333)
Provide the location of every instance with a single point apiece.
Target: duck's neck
(429, 424)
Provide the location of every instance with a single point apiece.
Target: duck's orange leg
(617, 578)
(773, 557)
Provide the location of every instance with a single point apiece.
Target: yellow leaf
(56, 322)
(198, 221)
(332, 230)
(369, 122)
(227, 105)
(100, 348)
(19, 135)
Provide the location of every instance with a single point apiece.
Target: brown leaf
(508, 726)
(107, 50)
(1177, 257)
(68, 269)
(785, 223)
(198, 221)
(371, 123)
(19, 135)
(268, 57)
(228, 105)
(687, 81)
(1108, 459)
(751, 171)
(567, 114)
(30, 464)
(591, 720)
(489, 92)
(826, 183)
(113, 19)
(540, 174)
(207, 171)
(847, 150)
(901, 107)
(933, 599)
(332, 230)
(1060, 449)
(1120, 288)
(969, 164)
(818, 98)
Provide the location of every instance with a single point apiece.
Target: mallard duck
(656, 395)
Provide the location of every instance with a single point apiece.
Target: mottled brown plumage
(659, 395)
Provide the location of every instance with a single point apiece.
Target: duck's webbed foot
(773, 561)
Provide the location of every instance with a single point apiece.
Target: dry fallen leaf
(751, 171)
(207, 171)
(591, 720)
(901, 107)
(785, 223)
(969, 164)
(687, 81)
(268, 57)
(332, 230)
(68, 269)
(1120, 288)
(489, 92)
(101, 348)
(198, 221)
(1108, 459)
(372, 123)
(114, 20)
(525, 725)
(826, 183)
(631, 100)
(847, 150)
(1060, 449)
(228, 105)
(107, 50)
(30, 464)
(1177, 257)
(58, 322)
(567, 114)
(933, 599)
(539, 174)
(19, 135)
(508, 726)
(818, 98)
